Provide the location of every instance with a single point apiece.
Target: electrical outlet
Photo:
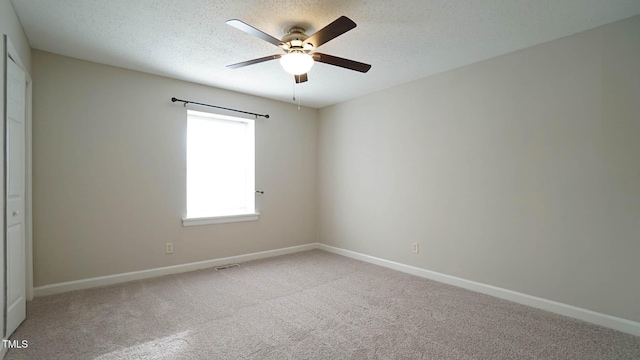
(415, 248)
(168, 249)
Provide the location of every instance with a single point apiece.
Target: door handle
(15, 213)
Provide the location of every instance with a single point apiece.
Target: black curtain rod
(218, 107)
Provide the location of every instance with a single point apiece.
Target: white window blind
(220, 166)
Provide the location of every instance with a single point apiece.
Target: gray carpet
(310, 305)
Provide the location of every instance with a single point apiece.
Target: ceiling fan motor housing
(294, 40)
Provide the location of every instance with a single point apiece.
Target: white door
(15, 197)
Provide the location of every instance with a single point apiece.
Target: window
(220, 169)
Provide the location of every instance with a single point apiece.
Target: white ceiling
(402, 40)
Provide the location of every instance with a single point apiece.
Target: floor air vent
(224, 267)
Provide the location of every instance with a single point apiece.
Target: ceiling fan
(298, 47)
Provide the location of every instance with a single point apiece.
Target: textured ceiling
(403, 40)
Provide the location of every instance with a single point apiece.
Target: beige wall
(109, 172)
(521, 172)
(10, 25)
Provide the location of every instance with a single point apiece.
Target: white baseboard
(175, 269)
(616, 323)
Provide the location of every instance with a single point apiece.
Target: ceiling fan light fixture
(296, 62)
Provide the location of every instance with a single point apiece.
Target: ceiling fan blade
(331, 31)
(253, 31)
(254, 61)
(341, 62)
(301, 78)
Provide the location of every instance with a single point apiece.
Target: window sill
(195, 221)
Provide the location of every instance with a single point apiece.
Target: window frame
(188, 220)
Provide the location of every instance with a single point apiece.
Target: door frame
(10, 52)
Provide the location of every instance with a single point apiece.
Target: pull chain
(294, 95)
